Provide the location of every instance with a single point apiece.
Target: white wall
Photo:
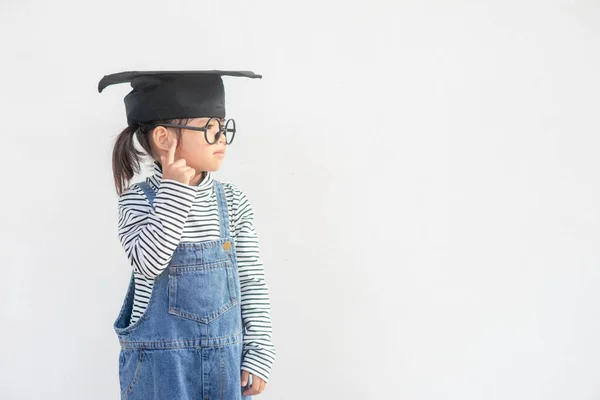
(424, 176)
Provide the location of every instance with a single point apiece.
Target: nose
(222, 138)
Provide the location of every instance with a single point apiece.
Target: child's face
(196, 151)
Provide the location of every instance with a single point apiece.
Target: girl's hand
(258, 385)
(176, 170)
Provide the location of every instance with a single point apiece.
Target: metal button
(227, 245)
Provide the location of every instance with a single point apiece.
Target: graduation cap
(162, 95)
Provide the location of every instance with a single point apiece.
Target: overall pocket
(202, 293)
(130, 367)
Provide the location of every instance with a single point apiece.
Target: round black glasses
(213, 129)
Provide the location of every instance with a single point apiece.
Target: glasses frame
(226, 130)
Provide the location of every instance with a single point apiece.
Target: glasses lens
(230, 130)
(213, 127)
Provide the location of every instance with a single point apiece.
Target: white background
(424, 177)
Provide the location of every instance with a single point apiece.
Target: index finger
(171, 153)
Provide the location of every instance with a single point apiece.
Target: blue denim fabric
(188, 343)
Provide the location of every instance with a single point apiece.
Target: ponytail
(125, 159)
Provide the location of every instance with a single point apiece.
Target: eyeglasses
(212, 131)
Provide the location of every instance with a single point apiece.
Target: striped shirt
(183, 213)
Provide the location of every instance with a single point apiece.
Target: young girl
(195, 322)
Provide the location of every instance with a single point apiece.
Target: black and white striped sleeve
(148, 234)
(259, 350)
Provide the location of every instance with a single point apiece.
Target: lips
(219, 154)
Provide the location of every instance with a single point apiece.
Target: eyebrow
(220, 119)
(207, 118)
(203, 123)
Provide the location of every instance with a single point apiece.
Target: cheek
(202, 152)
(195, 144)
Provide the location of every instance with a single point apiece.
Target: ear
(161, 138)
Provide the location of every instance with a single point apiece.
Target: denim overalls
(188, 343)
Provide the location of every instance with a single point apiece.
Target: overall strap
(148, 191)
(223, 213)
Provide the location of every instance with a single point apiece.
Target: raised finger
(171, 153)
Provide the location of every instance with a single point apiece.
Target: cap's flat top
(127, 76)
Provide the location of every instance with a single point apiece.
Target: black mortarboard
(161, 95)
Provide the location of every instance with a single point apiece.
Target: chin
(213, 168)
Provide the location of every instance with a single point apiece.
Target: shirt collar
(203, 188)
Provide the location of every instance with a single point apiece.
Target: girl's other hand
(176, 170)
(258, 385)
